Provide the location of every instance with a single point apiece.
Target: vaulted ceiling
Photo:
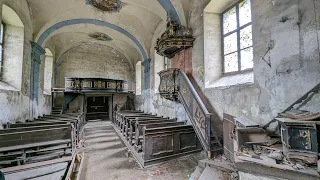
(67, 23)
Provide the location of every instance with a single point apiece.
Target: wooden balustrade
(176, 86)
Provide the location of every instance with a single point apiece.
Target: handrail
(175, 85)
(203, 107)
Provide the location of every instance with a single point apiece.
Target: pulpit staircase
(175, 85)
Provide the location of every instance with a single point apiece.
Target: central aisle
(105, 159)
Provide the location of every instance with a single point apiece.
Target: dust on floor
(105, 159)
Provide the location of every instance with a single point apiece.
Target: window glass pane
(229, 21)
(231, 62)
(246, 37)
(245, 12)
(230, 43)
(246, 59)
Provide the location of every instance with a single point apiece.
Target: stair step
(210, 173)
(216, 152)
(196, 173)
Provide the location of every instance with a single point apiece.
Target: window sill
(233, 80)
(7, 87)
(46, 93)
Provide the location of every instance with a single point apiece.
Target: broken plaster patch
(290, 64)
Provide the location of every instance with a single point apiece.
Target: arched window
(48, 69)
(159, 65)
(138, 78)
(12, 42)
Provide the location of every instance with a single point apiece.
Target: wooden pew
(133, 122)
(75, 123)
(138, 139)
(166, 142)
(28, 124)
(121, 117)
(153, 139)
(126, 122)
(34, 143)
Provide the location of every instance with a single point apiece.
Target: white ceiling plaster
(9, 16)
(68, 37)
(218, 6)
(139, 17)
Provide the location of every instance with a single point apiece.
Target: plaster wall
(48, 71)
(150, 101)
(293, 26)
(91, 61)
(13, 55)
(294, 59)
(14, 99)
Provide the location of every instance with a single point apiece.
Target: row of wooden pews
(41, 143)
(153, 139)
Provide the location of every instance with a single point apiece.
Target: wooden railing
(176, 86)
(94, 85)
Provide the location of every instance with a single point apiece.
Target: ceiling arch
(71, 22)
(70, 36)
(93, 44)
(137, 19)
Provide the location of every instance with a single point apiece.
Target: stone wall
(15, 103)
(91, 61)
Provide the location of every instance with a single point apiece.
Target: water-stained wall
(15, 101)
(91, 61)
(295, 66)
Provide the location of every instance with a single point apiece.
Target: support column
(36, 53)
(146, 65)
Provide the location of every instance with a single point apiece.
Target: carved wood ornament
(174, 39)
(106, 5)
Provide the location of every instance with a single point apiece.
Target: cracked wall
(294, 60)
(91, 61)
(293, 26)
(15, 103)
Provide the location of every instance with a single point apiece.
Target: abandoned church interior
(159, 89)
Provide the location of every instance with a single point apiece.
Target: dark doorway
(97, 108)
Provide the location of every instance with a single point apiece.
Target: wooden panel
(162, 144)
(32, 128)
(21, 138)
(95, 84)
(228, 135)
(155, 146)
(188, 140)
(183, 61)
(30, 124)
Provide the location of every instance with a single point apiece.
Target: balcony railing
(95, 84)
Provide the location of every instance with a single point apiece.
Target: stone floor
(105, 159)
